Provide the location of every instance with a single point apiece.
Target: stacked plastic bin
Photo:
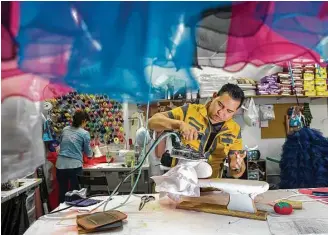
(321, 85)
(308, 76)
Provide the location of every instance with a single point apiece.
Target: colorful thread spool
(116, 140)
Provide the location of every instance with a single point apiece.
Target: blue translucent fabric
(304, 23)
(104, 47)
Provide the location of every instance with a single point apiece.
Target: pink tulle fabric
(252, 41)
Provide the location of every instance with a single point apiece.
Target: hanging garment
(14, 218)
(47, 132)
(307, 114)
(304, 160)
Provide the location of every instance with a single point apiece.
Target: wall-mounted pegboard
(106, 115)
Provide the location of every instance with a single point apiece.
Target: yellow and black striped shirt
(227, 138)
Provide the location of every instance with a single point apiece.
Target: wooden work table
(161, 218)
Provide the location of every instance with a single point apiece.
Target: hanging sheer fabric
(104, 47)
(15, 82)
(275, 32)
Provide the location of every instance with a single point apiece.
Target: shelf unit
(255, 96)
(286, 96)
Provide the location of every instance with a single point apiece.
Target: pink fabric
(31, 87)
(16, 82)
(250, 41)
(14, 26)
(7, 47)
(324, 11)
(324, 199)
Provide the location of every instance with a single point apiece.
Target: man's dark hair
(234, 91)
(79, 117)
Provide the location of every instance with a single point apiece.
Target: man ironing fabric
(221, 135)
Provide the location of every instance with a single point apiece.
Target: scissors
(144, 200)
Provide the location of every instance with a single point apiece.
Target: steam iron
(186, 152)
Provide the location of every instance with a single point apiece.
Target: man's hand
(188, 132)
(236, 163)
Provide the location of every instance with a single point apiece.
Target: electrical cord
(139, 167)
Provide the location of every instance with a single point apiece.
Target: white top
(161, 218)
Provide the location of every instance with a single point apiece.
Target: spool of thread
(116, 140)
(121, 129)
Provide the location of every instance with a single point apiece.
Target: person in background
(221, 135)
(74, 141)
